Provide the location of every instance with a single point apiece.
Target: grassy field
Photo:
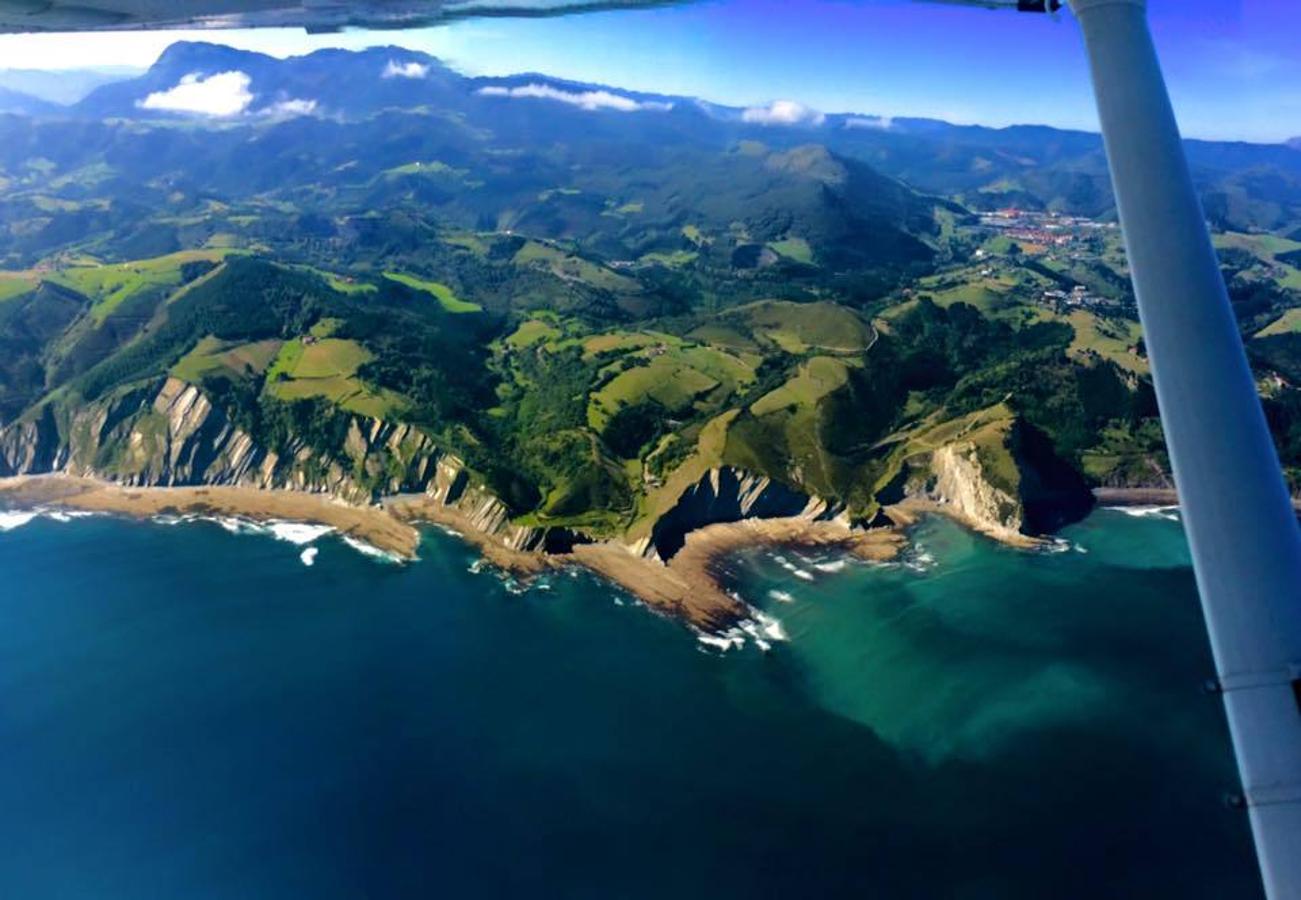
(441, 292)
(1109, 338)
(344, 284)
(626, 342)
(815, 379)
(533, 331)
(798, 328)
(12, 284)
(676, 375)
(1267, 248)
(574, 268)
(668, 381)
(328, 368)
(213, 357)
(794, 248)
(468, 241)
(675, 260)
(1288, 323)
(109, 286)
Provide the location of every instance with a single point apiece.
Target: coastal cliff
(1004, 479)
(172, 435)
(990, 470)
(726, 494)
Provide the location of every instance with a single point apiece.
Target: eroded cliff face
(1008, 482)
(172, 435)
(451, 485)
(726, 494)
(961, 483)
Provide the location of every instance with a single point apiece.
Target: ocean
(190, 711)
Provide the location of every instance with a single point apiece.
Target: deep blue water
(188, 713)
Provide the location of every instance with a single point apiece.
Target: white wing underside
(22, 16)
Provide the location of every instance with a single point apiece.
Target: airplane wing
(25, 16)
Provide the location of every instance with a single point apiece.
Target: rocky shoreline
(366, 524)
(167, 449)
(688, 586)
(1140, 496)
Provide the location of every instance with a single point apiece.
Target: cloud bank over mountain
(588, 100)
(784, 112)
(223, 94)
(410, 69)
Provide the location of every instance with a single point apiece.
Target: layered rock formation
(1006, 480)
(172, 435)
(726, 494)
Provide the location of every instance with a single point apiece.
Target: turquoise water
(190, 713)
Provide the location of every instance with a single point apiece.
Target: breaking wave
(1169, 513)
(370, 549)
(759, 628)
(11, 519)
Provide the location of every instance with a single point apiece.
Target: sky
(1232, 65)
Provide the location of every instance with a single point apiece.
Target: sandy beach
(906, 514)
(688, 586)
(1149, 497)
(372, 525)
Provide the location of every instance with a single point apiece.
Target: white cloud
(881, 123)
(783, 112)
(411, 69)
(589, 100)
(223, 94)
(290, 108)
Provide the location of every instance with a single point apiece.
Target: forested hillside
(593, 298)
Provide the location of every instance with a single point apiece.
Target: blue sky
(1233, 65)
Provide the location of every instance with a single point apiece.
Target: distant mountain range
(63, 86)
(1243, 185)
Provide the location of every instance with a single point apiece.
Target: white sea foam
(769, 626)
(759, 628)
(298, 532)
(920, 560)
(308, 556)
(370, 550)
(167, 519)
(16, 518)
(782, 596)
(793, 569)
(234, 524)
(836, 565)
(477, 566)
(732, 639)
(1169, 513)
(11, 520)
